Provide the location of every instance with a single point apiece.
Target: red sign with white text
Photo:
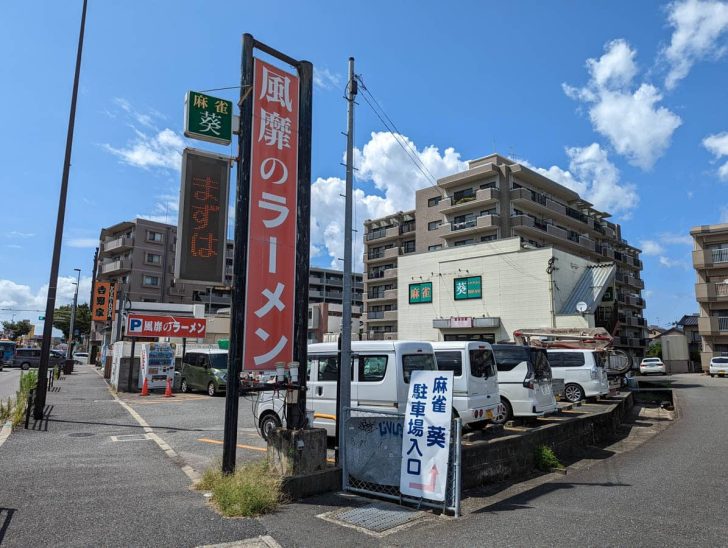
(271, 271)
(144, 325)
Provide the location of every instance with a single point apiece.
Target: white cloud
(383, 162)
(165, 209)
(16, 234)
(651, 247)
(145, 119)
(325, 79)
(161, 150)
(670, 238)
(595, 178)
(724, 214)
(697, 29)
(667, 262)
(717, 145)
(25, 301)
(636, 126)
(83, 242)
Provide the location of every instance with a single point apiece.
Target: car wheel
(268, 423)
(25, 366)
(712, 375)
(184, 387)
(503, 413)
(573, 393)
(211, 389)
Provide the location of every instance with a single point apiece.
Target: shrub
(546, 459)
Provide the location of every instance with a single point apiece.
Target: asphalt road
(9, 379)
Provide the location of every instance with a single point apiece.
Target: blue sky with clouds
(623, 101)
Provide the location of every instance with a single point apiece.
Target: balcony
(113, 267)
(632, 342)
(376, 297)
(118, 245)
(381, 255)
(481, 224)
(631, 300)
(382, 234)
(709, 258)
(711, 291)
(387, 316)
(713, 325)
(484, 197)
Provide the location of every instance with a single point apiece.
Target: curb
(5, 432)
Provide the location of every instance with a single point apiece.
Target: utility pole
(69, 351)
(40, 397)
(344, 364)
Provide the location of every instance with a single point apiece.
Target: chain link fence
(373, 458)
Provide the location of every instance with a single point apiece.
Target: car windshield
(218, 361)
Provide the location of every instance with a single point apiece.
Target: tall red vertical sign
(271, 269)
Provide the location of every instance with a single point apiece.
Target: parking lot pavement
(9, 382)
(192, 424)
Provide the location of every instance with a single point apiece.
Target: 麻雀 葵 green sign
(208, 118)
(420, 293)
(468, 288)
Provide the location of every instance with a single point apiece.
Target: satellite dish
(581, 307)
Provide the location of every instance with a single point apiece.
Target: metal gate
(373, 454)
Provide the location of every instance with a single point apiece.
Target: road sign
(208, 118)
(41, 318)
(426, 436)
(144, 325)
(203, 209)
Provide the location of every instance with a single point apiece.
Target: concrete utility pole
(40, 397)
(69, 350)
(344, 367)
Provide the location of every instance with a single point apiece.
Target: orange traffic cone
(145, 388)
(168, 390)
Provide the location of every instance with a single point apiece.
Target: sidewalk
(75, 480)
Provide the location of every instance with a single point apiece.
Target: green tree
(654, 350)
(18, 328)
(62, 319)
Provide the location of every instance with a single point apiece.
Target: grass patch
(14, 409)
(253, 489)
(546, 459)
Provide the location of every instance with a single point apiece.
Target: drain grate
(80, 435)
(377, 517)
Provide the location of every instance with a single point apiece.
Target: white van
(524, 382)
(380, 377)
(582, 371)
(475, 388)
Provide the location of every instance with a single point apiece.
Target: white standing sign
(426, 439)
(157, 364)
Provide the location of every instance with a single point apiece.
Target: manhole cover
(377, 517)
(80, 435)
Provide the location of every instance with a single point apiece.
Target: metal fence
(373, 456)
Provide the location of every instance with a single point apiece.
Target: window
(488, 238)
(450, 360)
(151, 280)
(508, 357)
(432, 202)
(566, 359)
(433, 225)
(154, 258)
(491, 211)
(328, 367)
(372, 368)
(192, 358)
(409, 247)
(482, 363)
(464, 242)
(463, 196)
(417, 362)
(491, 184)
(153, 236)
(434, 247)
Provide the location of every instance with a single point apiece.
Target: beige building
(675, 354)
(486, 292)
(710, 259)
(496, 199)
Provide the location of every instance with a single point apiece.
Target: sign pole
(240, 260)
(40, 398)
(131, 365)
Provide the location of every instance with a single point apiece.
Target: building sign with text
(271, 252)
(467, 288)
(420, 293)
(102, 307)
(202, 224)
(208, 118)
(426, 437)
(146, 325)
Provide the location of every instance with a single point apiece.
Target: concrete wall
(675, 354)
(515, 288)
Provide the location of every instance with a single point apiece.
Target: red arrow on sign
(427, 487)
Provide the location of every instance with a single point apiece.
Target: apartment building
(710, 260)
(494, 199)
(327, 286)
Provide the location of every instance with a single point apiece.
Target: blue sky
(639, 129)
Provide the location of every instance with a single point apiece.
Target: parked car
(475, 387)
(380, 378)
(719, 366)
(652, 365)
(80, 357)
(524, 382)
(25, 358)
(582, 372)
(204, 370)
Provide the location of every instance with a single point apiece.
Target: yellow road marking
(324, 416)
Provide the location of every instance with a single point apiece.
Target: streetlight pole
(69, 351)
